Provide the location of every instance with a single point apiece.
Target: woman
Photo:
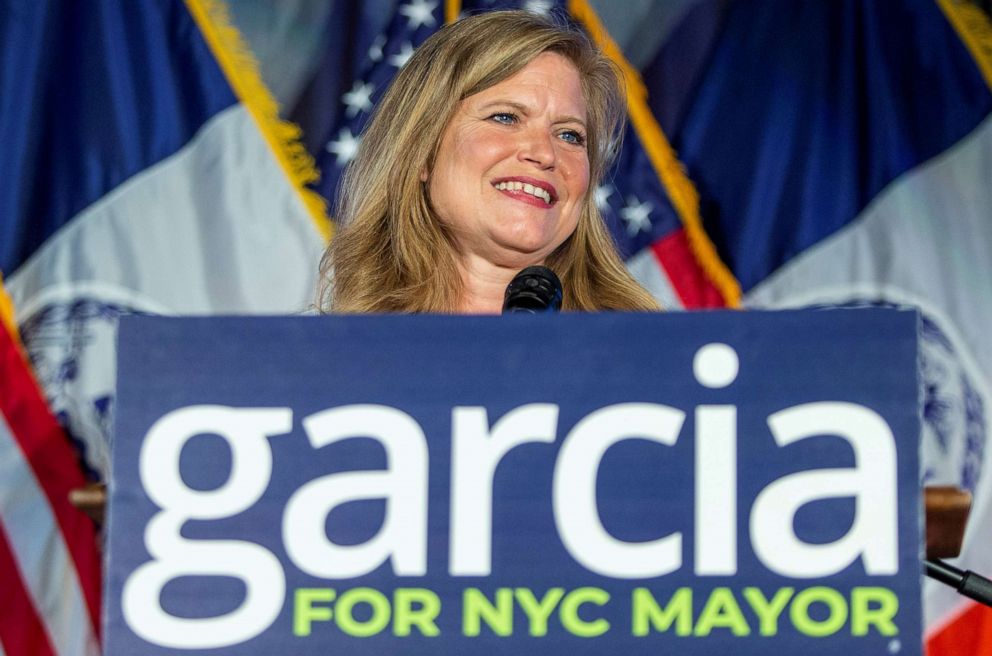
(479, 162)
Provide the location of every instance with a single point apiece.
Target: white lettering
(575, 508)
(403, 535)
(476, 450)
(872, 483)
(173, 556)
(716, 489)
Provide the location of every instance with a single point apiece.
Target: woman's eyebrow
(516, 106)
(570, 119)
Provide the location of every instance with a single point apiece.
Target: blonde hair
(392, 253)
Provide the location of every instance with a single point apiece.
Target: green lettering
(647, 615)
(476, 607)
(768, 611)
(345, 618)
(721, 611)
(569, 612)
(406, 615)
(836, 607)
(863, 615)
(305, 613)
(538, 611)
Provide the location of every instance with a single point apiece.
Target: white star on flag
(602, 196)
(419, 12)
(375, 50)
(400, 59)
(345, 147)
(538, 6)
(359, 99)
(637, 215)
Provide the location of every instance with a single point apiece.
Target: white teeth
(526, 188)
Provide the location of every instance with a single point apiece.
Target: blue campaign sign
(573, 484)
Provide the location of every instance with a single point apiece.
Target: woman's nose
(537, 146)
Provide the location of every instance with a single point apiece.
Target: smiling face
(512, 169)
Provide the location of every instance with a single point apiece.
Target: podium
(566, 484)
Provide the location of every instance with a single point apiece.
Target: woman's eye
(506, 118)
(573, 137)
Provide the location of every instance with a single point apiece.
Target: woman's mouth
(526, 190)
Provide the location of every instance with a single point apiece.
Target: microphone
(534, 290)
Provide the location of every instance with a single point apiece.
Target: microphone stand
(965, 582)
(946, 514)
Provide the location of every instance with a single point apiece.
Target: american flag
(49, 563)
(647, 201)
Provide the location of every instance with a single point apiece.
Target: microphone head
(534, 290)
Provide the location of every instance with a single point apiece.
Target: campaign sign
(705, 483)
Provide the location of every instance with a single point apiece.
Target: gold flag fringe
(684, 197)
(283, 137)
(975, 29)
(451, 10)
(7, 312)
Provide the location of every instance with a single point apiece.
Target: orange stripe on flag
(6, 311)
(970, 634)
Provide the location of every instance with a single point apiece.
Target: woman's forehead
(550, 79)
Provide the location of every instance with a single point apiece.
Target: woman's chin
(526, 249)
(519, 256)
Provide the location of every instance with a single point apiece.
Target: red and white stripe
(672, 273)
(49, 560)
